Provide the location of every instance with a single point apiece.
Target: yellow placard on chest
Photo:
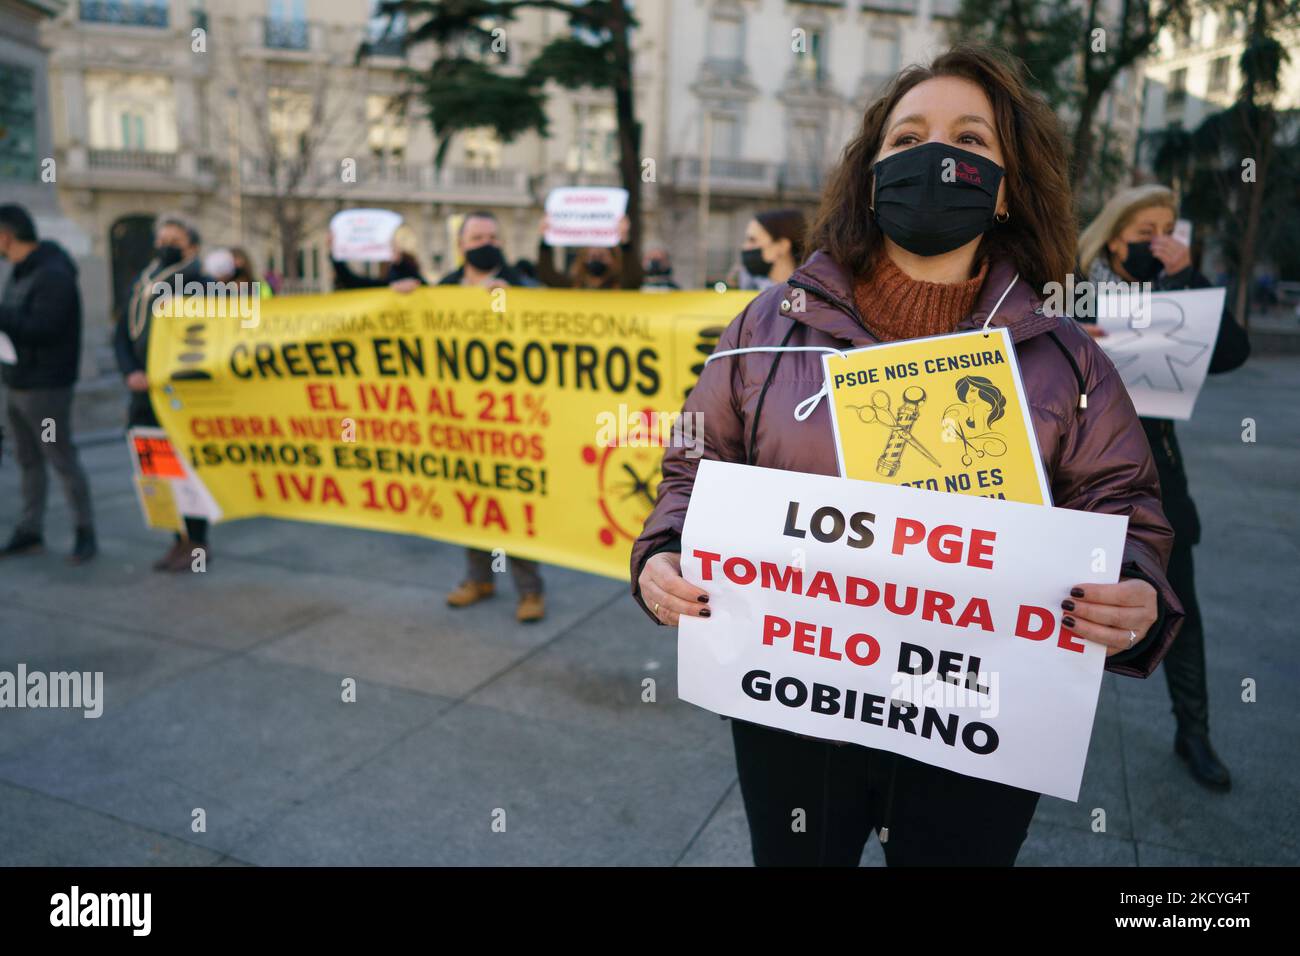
(945, 413)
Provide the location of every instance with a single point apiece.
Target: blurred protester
(1131, 240)
(274, 281)
(484, 264)
(40, 312)
(479, 243)
(903, 253)
(176, 260)
(659, 269)
(592, 267)
(219, 264)
(527, 269)
(244, 272)
(401, 273)
(774, 246)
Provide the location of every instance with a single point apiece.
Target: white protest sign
(923, 623)
(363, 235)
(1162, 350)
(154, 459)
(584, 215)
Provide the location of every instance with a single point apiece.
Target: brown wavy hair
(786, 224)
(1039, 238)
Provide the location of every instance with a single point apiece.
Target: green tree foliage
(1042, 33)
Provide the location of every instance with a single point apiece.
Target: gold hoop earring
(1002, 217)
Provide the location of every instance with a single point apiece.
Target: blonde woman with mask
(1132, 240)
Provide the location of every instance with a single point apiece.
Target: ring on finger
(1132, 637)
(656, 609)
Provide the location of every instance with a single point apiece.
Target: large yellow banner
(522, 419)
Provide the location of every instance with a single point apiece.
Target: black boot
(84, 550)
(1202, 761)
(23, 543)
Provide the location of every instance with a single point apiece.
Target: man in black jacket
(485, 266)
(176, 260)
(40, 313)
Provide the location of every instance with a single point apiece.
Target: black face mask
(596, 268)
(485, 258)
(657, 267)
(929, 205)
(169, 255)
(755, 265)
(1141, 262)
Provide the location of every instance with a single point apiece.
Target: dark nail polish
(1068, 605)
(1067, 621)
(704, 599)
(706, 613)
(1076, 592)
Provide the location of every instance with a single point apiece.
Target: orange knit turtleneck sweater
(895, 306)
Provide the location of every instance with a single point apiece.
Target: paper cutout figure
(1155, 366)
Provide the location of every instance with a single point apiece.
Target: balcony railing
(281, 34)
(802, 177)
(133, 160)
(386, 46)
(393, 179)
(129, 13)
(731, 175)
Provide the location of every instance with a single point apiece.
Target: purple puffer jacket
(1096, 457)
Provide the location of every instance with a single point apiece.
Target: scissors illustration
(900, 426)
(974, 445)
(979, 445)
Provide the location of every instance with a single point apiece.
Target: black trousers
(1185, 663)
(935, 817)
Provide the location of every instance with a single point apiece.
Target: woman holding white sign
(947, 211)
(1133, 240)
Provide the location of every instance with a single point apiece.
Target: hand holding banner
(922, 624)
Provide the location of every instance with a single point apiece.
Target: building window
(1219, 68)
(724, 136)
(288, 117)
(17, 123)
(285, 26)
(1227, 27)
(130, 111)
(386, 127)
(130, 13)
(1177, 94)
(595, 145)
(726, 44)
(884, 51)
(384, 37)
(482, 148)
(132, 131)
(805, 146)
(811, 63)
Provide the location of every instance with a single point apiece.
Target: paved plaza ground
(222, 691)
